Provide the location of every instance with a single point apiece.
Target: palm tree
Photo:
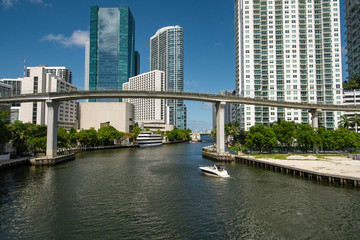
(345, 122)
(355, 121)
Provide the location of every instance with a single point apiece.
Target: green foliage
(62, 138)
(107, 135)
(5, 132)
(285, 133)
(135, 132)
(326, 139)
(346, 139)
(260, 137)
(353, 83)
(178, 134)
(87, 137)
(345, 122)
(305, 136)
(28, 138)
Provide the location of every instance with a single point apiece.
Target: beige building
(96, 114)
(39, 80)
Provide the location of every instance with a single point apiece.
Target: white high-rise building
(167, 54)
(288, 50)
(62, 72)
(39, 80)
(147, 108)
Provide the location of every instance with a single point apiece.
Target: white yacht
(149, 139)
(216, 171)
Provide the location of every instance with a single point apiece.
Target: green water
(159, 193)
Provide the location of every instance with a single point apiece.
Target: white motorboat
(149, 139)
(216, 171)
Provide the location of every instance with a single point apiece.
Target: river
(159, 193)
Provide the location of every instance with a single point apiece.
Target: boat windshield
(219, 167)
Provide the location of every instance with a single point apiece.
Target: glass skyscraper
(167, 54)
(112, 47)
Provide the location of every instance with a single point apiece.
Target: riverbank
(334, 169)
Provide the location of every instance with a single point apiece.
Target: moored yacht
(216, 171)
(149, 139)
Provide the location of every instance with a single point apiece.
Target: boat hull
(214, 173)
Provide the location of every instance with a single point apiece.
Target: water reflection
(160, 193)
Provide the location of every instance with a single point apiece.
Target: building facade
(111, 49)
(351, 97)
(352, 25)
(167, 54)
(120, 115)
(147, 108)
(288, 51)
(5, 91)
(62, 72)
(16, 89)
(39, 81)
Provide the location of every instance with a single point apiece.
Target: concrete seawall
(288, 170)
(11, 163)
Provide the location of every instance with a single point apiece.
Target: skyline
(53, 33)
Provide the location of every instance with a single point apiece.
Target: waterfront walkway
(336, 165)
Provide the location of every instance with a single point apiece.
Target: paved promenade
(326, 164)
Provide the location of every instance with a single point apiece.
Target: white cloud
(6, 4)
(77, 38)
(191, 83)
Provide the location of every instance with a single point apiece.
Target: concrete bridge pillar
(220, 122)
(52, 119)
(315, 125)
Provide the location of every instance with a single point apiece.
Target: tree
(87, 137)
(345, 122)
(326, 139)
(305, 136)
(285, 133)
(355, 121)
(28, 138)
(62, 138)
(260, 137)
(353, 83)
(108, 134)
(346, 139)
(136, 130)
(5, 132)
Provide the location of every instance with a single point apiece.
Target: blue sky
(52, 32)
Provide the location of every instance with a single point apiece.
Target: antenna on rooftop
(24, 66)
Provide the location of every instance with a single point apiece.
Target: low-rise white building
(39, 80)
(351, 97)
(147, 109)
(96, 114)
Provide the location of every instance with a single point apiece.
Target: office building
(147, 108)
(15, 83)
(39, 81)
(288, 51)
(352, 25)
(5, 91)
(167, 54)
(137, 63)
(111, 50)
(61, 72)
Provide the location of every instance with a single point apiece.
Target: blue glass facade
(112, 48)
(167, 54)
